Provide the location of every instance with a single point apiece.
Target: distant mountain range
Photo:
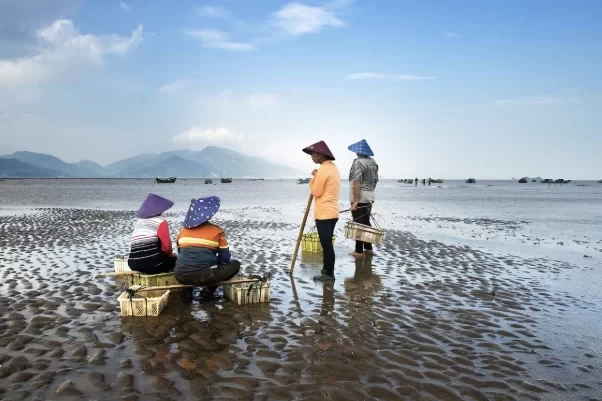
(209, 162)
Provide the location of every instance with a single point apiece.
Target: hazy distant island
(212, 161)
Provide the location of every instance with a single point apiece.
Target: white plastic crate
(240, 293)
(121, 264)
(147, 303)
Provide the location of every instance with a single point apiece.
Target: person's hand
(354, 206)
(314, 172)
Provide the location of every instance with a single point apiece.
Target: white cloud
(171, 88)
(213, 12)
(389, 77)
(217, 39)
(63, 48)
(125, 7)
(297, 19)
(452, 34)
(553, 100)
(263, 100)
(197, 135)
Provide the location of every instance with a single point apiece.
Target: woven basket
(361, 232)
(149, 303)
(154, 280)
(310, 242)
(240, 293)
(121, 264)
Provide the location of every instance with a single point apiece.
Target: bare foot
(356, 255)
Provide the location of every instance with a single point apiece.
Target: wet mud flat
(420, 320)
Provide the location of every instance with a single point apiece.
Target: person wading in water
(363, 178)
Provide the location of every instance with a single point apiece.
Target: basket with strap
(310, 241)
(361, 232)
(150, 303)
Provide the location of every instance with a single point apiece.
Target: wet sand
(420, 320)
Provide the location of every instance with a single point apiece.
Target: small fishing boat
(561, 181)
(303, 180)
(208, 181)
(547, 181)
(600, 182)
(523, 180)
(226, 180)
(169, 180)
(471, 181)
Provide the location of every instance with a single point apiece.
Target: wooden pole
(171, 287)
(311, 197)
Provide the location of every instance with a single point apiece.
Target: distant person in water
(151, 251)
(363, 178)
(416, 182)
(204, 257)
(424, 181)
(325, 186)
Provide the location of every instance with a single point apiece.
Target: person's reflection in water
(364, 282)
(327, 299)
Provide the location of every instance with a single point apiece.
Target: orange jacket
(325, 187)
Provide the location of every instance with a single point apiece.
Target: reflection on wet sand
(364, 282)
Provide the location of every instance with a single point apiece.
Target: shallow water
(477, 292)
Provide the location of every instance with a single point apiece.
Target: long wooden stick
(171, 287)
(311, 197)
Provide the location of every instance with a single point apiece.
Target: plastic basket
(121, 264)
(242, 295)
(310, 242)
(154, 280)
(361, 232)
(148, 303)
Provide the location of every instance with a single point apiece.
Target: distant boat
(600, 182)
(561, 181)
(226, 180)
(169, 180)
(547, 181)
(303, 180)
(471, 181)
(208, 181)
(437, 181)
(523, 180)
(256, 179)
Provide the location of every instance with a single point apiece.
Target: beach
(487, 291)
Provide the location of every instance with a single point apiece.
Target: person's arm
(376, 176)
(317, 185)
(223, 252)
(163, 234)
(356, 176)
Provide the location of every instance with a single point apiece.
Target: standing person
(151, 251)
(324, 186)
(416, 182)
(363, 178)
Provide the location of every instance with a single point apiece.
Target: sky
(439, 88)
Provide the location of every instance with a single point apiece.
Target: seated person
(151, 251)
(203, 255)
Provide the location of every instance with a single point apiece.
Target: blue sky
(438, 88)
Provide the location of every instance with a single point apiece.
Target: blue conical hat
(361, 148)
(201, 210)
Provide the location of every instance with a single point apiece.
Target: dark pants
(325, 232)
(168, 264)
(208, 277)
(362, 216)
